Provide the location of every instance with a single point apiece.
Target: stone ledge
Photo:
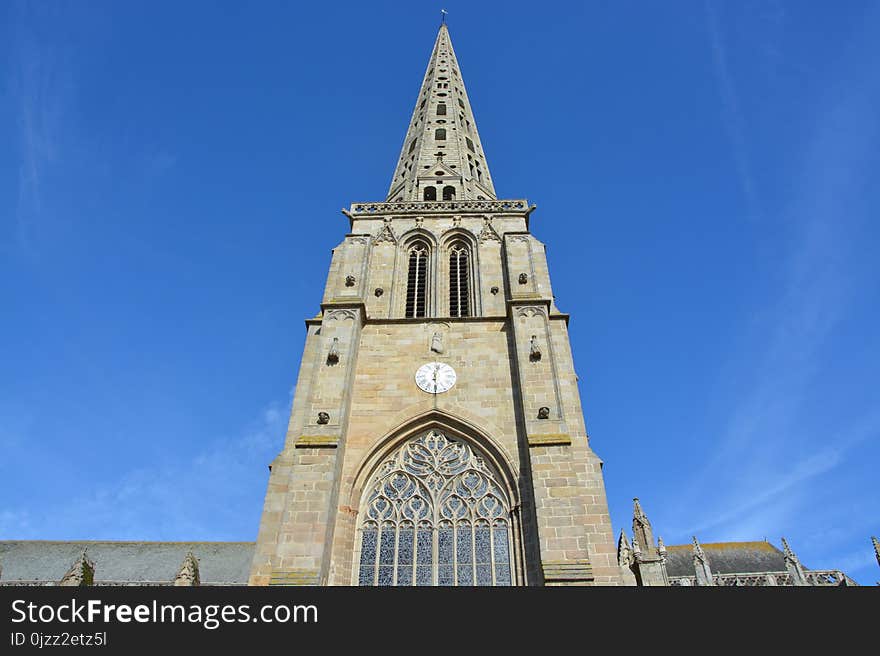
(567, 570)
(552, 439)
(317, 442)
(294, 577)
(515, 206)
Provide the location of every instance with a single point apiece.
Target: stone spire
(642, 531)
(624, 551)
(876, 544)
(650, 562)
(626, 559)
(442, 151)
(81, 573)
(793, 565)
(701, 566)
(188, 574)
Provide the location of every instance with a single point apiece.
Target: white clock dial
(435, 377)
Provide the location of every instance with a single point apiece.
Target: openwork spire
(442, 156)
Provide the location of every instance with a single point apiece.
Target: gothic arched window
(435, 514)
(449, 193)
(459, 278)
(417, 280)
(430, 193)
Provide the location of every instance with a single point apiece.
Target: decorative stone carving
(704, 576)
(495, 206)
(379, 291)
(333, 353)
(456, 221)
(188, 574)
(436, 482)
(323, 418)
(350, 281)
(624, 551)
(523, 278)
(494, 290)
(419, 221)
(386, 234)
(530, 311)
(341, 315)
(437, 342)
(534, 350)
(543, 412)
(358, 240)
(793, 565)
(82, 572)
(488, 233)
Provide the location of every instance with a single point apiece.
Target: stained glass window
(435, 514)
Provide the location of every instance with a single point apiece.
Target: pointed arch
(415, 278)
(459, 280)
(437, 506)
(460, 268)
(460, 425)
(418, 256)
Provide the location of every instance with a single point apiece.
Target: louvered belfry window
(435, 514)
(459, 278)
(417, 281)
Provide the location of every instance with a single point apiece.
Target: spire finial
(443, 13)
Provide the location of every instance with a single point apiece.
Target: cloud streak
(768, 428)
(731, 112)
(216, 495)
(41, 89)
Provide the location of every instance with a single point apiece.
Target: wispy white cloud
(42, 88)
(731, 113)
(215, 495)
(763, 452)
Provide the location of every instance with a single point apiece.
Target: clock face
(435, 377)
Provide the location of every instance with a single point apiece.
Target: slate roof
(726, 558)
(220, 563)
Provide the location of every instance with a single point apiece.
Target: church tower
(436, 435)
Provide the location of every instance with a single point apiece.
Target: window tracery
(435, 514)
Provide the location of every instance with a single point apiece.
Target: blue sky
(706, 175)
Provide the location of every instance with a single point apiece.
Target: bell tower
(436, 435)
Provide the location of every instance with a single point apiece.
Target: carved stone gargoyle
(333, 353)
(534, 349)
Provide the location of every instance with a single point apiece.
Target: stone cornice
(367, 210)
